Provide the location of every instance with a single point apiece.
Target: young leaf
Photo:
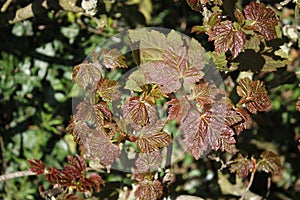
(242, 166)
(244, 123)
(227, 37)
(139, 113)
(239, 16)
(78, 129)
(86, 75)
(203, 94)
(263, 19)
(36, 166)
(150, 142)
(178, 109)
(108, 90)
(253, 94)
(270, 162)
(148, 161)
(112, 59)
(149, 190)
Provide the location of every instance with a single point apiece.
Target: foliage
(249, 126)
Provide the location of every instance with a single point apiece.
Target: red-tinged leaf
(139, 113)
(108, 90)
(149, 190)
(239, 16)
(203, 94)
(227, 37)
(98, 147)
(96, 181)
(87, 75)
(112, 59)
(198, 29)
(298, 105)
(36, 166)
(264, 19)
(148, 143)
(270, 162)
(242, 166)
(253, 94)
(196, 5)
(78, 129)
(77, 166)
(148, 161)
(53, 175)
(246, 119)
(178, 109)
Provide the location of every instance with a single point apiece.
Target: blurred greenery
(37, 56)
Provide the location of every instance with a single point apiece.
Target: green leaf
(272, 64)
(270, 162)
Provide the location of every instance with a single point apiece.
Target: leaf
(99, 148)
(149, 190)
(138, 112)
(242, 166)
(150, 142)
(196, 5)
(36, 166)
(244, 123)
(239, 16)
(178, 109)
(203, 94)
(298, 105)
(227, 37)
(272, 64)
(148, 161)
(78, 129)
(263, 19)
(253, 94)
(196, 55)
(136, 80)
(112, 59)
(270, 162)
(108, 90)
(86, 75)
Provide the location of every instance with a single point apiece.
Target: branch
(249, 185)
(16, 175)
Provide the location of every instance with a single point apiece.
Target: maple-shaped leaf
(298, 104)
(272, 64)
(108, 90)
(228, 36)
(98, 147)
(149, 190)
(139, 112)
(36, 166)
(242, 166)
(270, 162)
(263, 19)
(244, 123)
(178, 109)
(136, 80)
(203, 94)
(78, 129)
(150, 142)
(253, 94)
(147, 162)
(112, 58)
(87, 75)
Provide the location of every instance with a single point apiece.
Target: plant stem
(249, 185)
(16, 175)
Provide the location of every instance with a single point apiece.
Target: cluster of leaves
(71, 177)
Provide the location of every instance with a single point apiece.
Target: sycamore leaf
(99, 148)
(196, 5)
(253, 94)
(203, 94)
(263, 19)
(239, 16)
(78, 129)
(136, 80)
(244, 123)
(112, 59)
(148, 161)
(108, 90)
(272, 64)
(139, 112)
(149, 190)
(178, 109)
(150, 142)
(227, 37)
(196, 55)
(270, 162)
(242, 166)
(86, 75)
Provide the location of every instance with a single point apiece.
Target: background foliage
(36, 64)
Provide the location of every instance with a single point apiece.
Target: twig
(268, 187)
(249, 185)
(5, 5)
(16, 175)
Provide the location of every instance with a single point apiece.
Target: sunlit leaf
(242, 166)
(270, 162)
(178, 109)
(253, 94)
(78, 129)
(108, 90)
(263, 19)
(272, 65)
(112, 58)
(226, 37)
(148, 161)
(148, 143)
(149, 190)
(244, 123)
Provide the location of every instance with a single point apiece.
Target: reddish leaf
(270, 162)
(227, 37)
(95, 180)
(253, 94)
(148, 161)
(87, 75)
(153, 142)
(108, 90)
(112, 59)
(196, 5)
(242, 166)
(98, 147)
(77, 166)
(36, 166)
(178, 109)
(139, 113)
(53, 175)
(244, 123)
(239, 16)
(264, 19)
(149, 190)
(78, 129)
(203, 94)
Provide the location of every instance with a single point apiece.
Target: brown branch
(16, 175)
(249, 185)
(5, 5)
